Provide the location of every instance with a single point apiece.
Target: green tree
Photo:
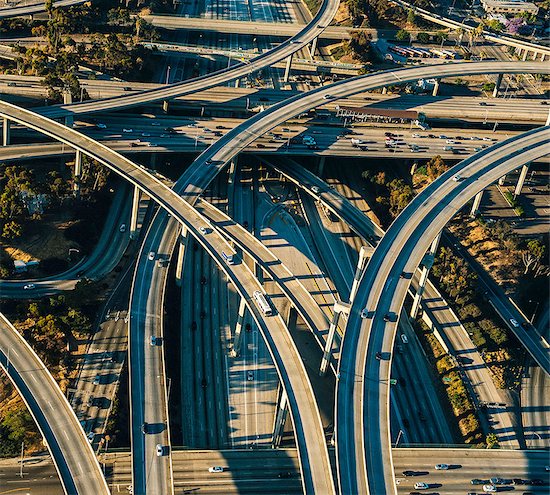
(423, 37)
(402, 35)
(12, 230)
(401, 195)
(492, 441)
(411, 17)
(435, 167)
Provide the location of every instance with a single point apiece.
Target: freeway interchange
(364, 462)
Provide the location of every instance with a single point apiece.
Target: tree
(411, 17)
(12, 230)
(532, 256)
(492, 441)
(401, 195)
(423, 37)
(435, 167)
(402, 35)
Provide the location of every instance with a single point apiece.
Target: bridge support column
(339, 308)
(542, 57)
(436, 87)
(287, 69)
(135, 211)
(502, 180)
(6, 132)
(476, 204)
(236, 349)
(165, 106)
(427, 264)
(77, 172)
(67, 100)
(521, 180)
(385, 90)
(182, 247)
(364, 253)
(525, 55)
(313, 47)
(548, 118)
(280, 418)
(321, 166)
(496, 89)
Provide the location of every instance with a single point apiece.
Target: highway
(318, 24)
(362, 436)
(75, 461)
(34, 8)
(309, 432)
(265, 121)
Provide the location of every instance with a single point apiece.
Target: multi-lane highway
(34, 8)
(363, 442)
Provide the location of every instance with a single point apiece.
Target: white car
(489, 489)
(160, 450)
(250, 376)
(215, 469)
(404, 338)
(364, 313)
(29, 287)
(441, 467)
(315, 189)
(457, 178)
(122, 227)
(327, 97)
(514, 323)
(127, 130)
(421, 486)
(202, 230)
(151, 256)
(91, 437)
(416, 135)
(99, 125)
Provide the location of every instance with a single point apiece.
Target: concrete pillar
(548, 118)
(287, 69)
(327, 353)
(280, 418)
(542, 57)
(153, 161)
(231, 185)
(364, 253)
(77, 172)
(135, 211)
(436, 88)
(313, 47)
(6, 132)
(534, 55)
(165, 106)
(67, 100)
(182, 247)
(521, 180)
(238, 330)
(427, 264)
(525, 54)
(339, 307)
(517, 51)
(476, 204)
(498, 82)
(321, 166)
(501, 180)
(385, 90)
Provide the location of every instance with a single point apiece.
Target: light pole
(169, 387)
(167, 74)
(399, 435)
(21, 462)
(533, 436)
(535, 311)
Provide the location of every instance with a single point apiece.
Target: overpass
(35, 8)
(308, 429)
(363, 440)
(71, 452)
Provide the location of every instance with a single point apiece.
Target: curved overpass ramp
(35, 8)
(72, 454)
(365, 420)
(314, 460)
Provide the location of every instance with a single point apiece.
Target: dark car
(408, 473)
(379, 356)
(204, 383)
(536, 482)
(260, 145)
(203, 280)
(245, 224)
(203, 314)
(285, 474)
(247, 327)
(194, 325)
(406, 423)
(517, 481)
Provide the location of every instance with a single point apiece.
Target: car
(387, 317)
(486, 138)
(260, 145)
(482, 104)
(536, 482)
(364, 313)
(99, 125)
(448, 148)
(97, 380)
(285, 474)
(204, 383)
(379, 356)
(420, 485)
(145, 428)
(215, 469)
(518, 481)
(399, 348)
(416, 135)
(145, 134)
(151, 256)
(91, 401)
(441, 467)
(477, 481)
(127, 88)
(489, 488)
(202, 314)
(161, 449)
(450, 141)
(127, 130)
(409, 473)
(514, 323)
(547, 468)
(29, 287)
(202, 230)
(404, 338)
(421, 415)
(152, 145)
(203, 281)
(122, 227)
(221, 127)
(153, 341)
(327, 97)
(194, 326)
(250, 376)
(315, 189)
(457, 178)
(90, 436)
